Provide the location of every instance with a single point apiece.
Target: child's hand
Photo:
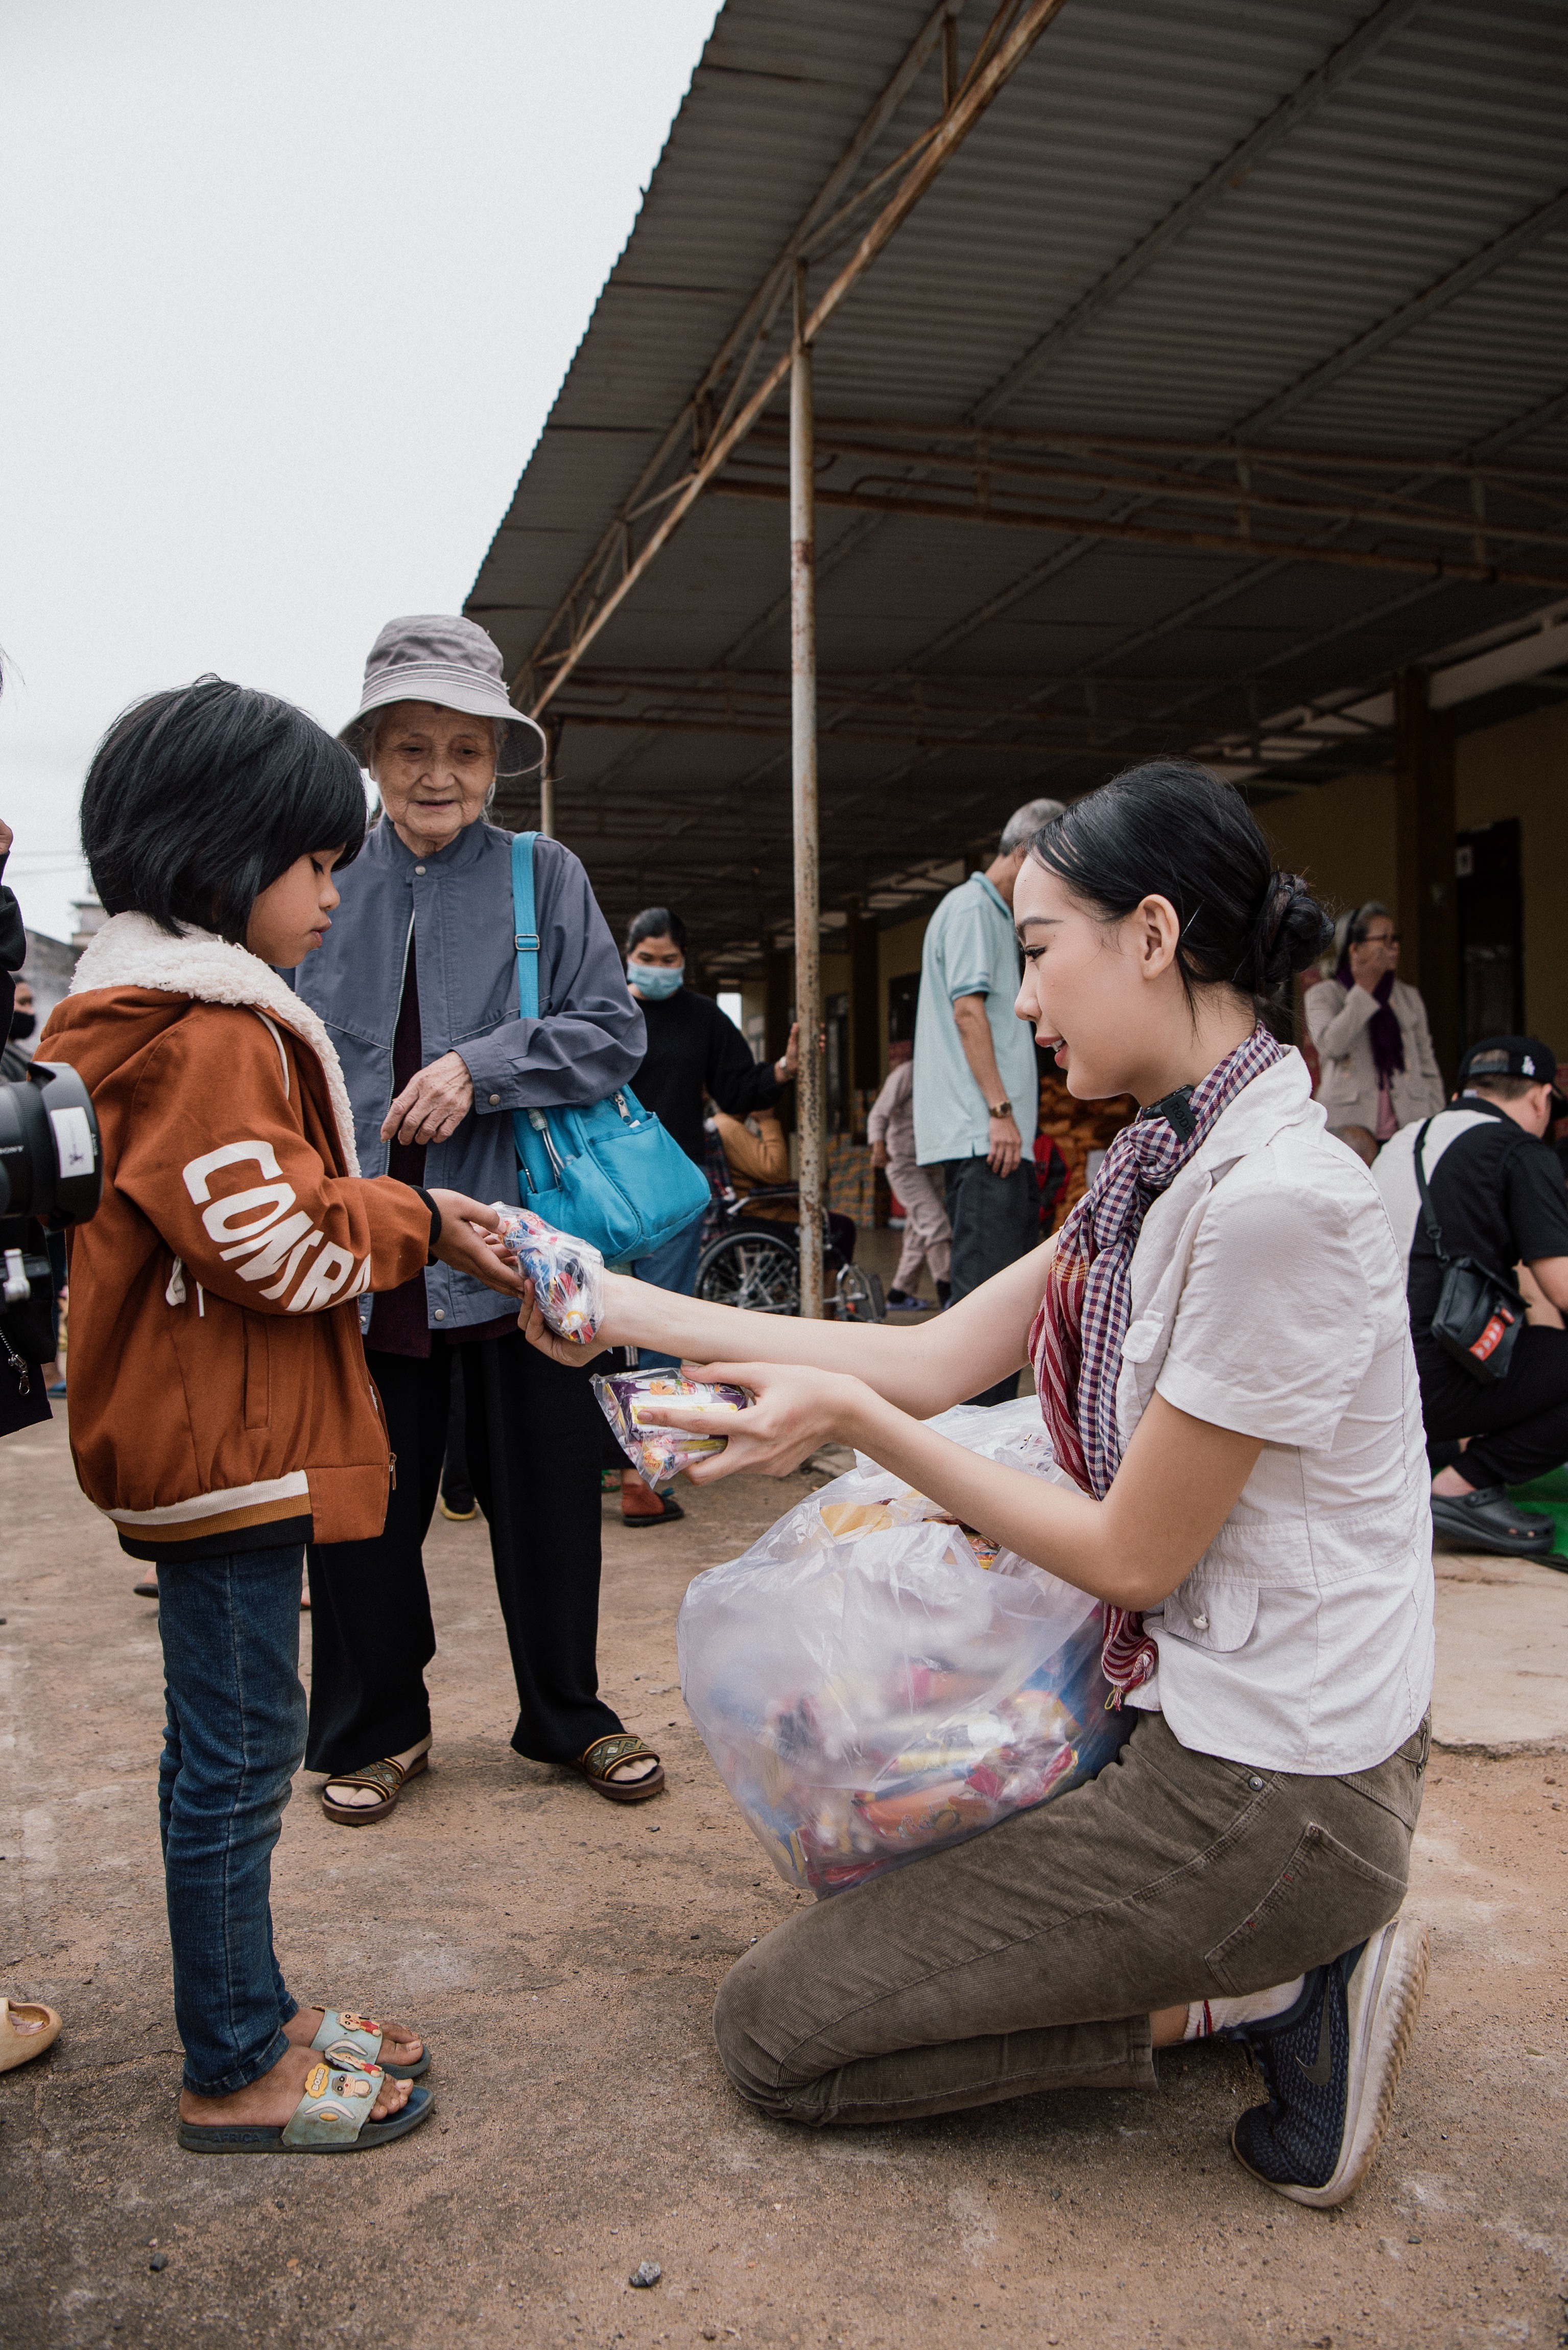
(463, 1244)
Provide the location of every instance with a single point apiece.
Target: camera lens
(51, 1166)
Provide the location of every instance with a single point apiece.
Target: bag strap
(1434, 1229)
(526, 937)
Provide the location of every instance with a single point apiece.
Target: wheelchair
(753, 1261)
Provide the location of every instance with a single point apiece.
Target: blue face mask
(655, 980)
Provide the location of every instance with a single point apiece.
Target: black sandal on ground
(598, 1760)
(665, 1516)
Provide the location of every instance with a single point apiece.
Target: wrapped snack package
(660, 1454)
(568, 1275)
(875, 1681)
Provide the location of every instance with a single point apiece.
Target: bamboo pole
(803, 724)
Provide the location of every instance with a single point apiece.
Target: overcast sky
(288, 286)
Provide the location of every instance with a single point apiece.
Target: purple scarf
(1383, 1028)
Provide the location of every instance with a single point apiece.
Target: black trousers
(532, 1431)
(1519, 1424)
(995, 1220)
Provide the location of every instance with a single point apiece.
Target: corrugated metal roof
(1384, 270)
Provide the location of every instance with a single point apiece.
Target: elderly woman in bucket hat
(417, 982)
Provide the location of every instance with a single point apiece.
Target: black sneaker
(1331, 2064)
(1487, 1520)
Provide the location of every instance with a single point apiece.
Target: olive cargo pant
(1031, 1957)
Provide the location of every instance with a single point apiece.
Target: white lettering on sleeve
(292, 1267)
(223, 1219)
(197, 1172)
(319, 1286)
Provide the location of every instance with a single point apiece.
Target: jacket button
(1256, 1784)
(440, 1316)
(495, 1101)
(419, 869)
(1200, 1623)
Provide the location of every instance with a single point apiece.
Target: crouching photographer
(49, 1174)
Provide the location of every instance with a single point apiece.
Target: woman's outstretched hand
(795, 1411)
(573, 1352)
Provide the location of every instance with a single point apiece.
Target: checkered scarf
(1077, 1342)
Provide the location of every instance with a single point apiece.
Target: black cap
(1511, 1056)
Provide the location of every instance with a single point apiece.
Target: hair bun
(1291, 929)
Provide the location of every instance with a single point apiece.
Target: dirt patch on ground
(562, 1956)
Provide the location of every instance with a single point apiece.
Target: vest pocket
(1325, 1900)
(258, 1381)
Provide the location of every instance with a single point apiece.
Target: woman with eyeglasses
(1377, 1068)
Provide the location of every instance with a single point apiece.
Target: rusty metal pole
(803, 726)
(547, 784)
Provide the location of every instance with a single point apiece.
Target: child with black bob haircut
(222, 1414)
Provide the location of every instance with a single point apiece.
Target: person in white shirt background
(1219, 1338)
(977, 1095)
(928, 1235)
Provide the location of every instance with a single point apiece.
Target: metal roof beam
(1435, 566)
(1016, 27)
(1245, 156)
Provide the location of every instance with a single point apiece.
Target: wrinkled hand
(1006, 1146)
(465, 1224)
(6, 837)
(787, 1065)
(432, 1105)
(878, 1154)
(797, 1409)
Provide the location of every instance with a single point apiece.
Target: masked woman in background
(1220, 1342)
(693, 1048)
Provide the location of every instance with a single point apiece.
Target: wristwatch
(999, 1110)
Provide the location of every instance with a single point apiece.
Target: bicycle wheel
(756, 1270)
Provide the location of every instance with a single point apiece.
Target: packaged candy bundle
(660, 1454)
(875, 1681)
(568, 1275)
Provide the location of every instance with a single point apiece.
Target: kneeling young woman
(1222, 1348)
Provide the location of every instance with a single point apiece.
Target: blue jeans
(673, 1266)
(234, 1739)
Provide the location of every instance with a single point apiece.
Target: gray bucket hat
(434, 657)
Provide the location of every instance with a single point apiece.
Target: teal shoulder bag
(609, 1173)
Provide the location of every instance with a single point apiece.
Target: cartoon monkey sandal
(345, 2038)
(600, 1759)
(332, 2117)
(25, 2030)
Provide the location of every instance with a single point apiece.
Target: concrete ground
(562, 1956)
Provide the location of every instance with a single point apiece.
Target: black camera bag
(1478, 1317)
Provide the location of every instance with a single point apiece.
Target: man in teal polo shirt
(976, 1093)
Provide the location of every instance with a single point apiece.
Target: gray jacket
(587, 1040)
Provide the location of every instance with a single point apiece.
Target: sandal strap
(620, 1746)
(345, 2038)
(385, 1777)
(336, 2106)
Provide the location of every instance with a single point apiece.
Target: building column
(1424, 828)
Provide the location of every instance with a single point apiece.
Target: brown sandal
(599, 1759)
(387, 1778)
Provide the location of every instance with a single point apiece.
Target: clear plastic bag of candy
(876, 1681)
(567, 1274)
(660, 1454)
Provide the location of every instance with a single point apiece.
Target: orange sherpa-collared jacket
(219, 1394)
